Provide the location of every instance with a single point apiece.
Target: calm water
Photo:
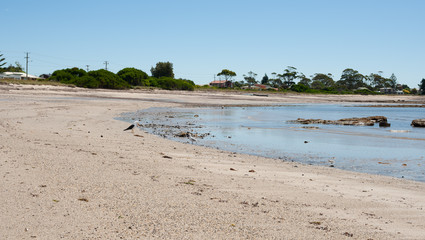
(397, 151)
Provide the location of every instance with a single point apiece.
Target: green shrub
(67, 75)
(134, 76)
(171, 83)
(87, 82)
(61, 76)
(108, 79)
(299, 87)
(122, 80)
(364, 92)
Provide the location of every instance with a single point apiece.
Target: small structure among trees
(221, 84)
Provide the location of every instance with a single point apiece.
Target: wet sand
(70, 171)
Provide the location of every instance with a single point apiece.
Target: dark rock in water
(378, 119)
(355, 122)
(309, 121)
(365, 121)
(418, 122)
(384, 124)
(182, 134)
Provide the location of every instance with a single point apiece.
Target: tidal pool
(397, 151)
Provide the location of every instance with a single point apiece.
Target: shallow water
(395, 151)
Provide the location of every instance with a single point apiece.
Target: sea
(397, 151)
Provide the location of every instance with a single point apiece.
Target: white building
(17, 76)
(387, 90)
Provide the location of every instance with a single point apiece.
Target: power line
(66, 59)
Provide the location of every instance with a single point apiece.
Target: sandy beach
(69, 171)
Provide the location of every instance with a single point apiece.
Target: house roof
(21, 74)
(218, 81)
(13, 73)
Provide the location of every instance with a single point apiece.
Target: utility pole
(106, 65)
(26, 69)
(87, 68)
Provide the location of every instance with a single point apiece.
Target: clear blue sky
(203, 37)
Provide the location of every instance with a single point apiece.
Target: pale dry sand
(68, 171)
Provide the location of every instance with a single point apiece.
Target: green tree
(376, 81)
(393, 81)
(422, 87)
(18, 67)
(134, 76)
(351, 79)
(414, 91)
(275, 81)
(304, 80)
(250, 78)
(11, 68)
(228, 76)
(405, 86)
(322, 81)
(163, 69)
(239, 84)
(265, 79)
(2, 61)
(288, 77)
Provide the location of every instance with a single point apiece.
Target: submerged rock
(418, 122)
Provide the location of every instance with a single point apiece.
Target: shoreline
(173, 123)
(70, 171)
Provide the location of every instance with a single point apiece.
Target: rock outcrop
(365, 121)
(418, 122)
